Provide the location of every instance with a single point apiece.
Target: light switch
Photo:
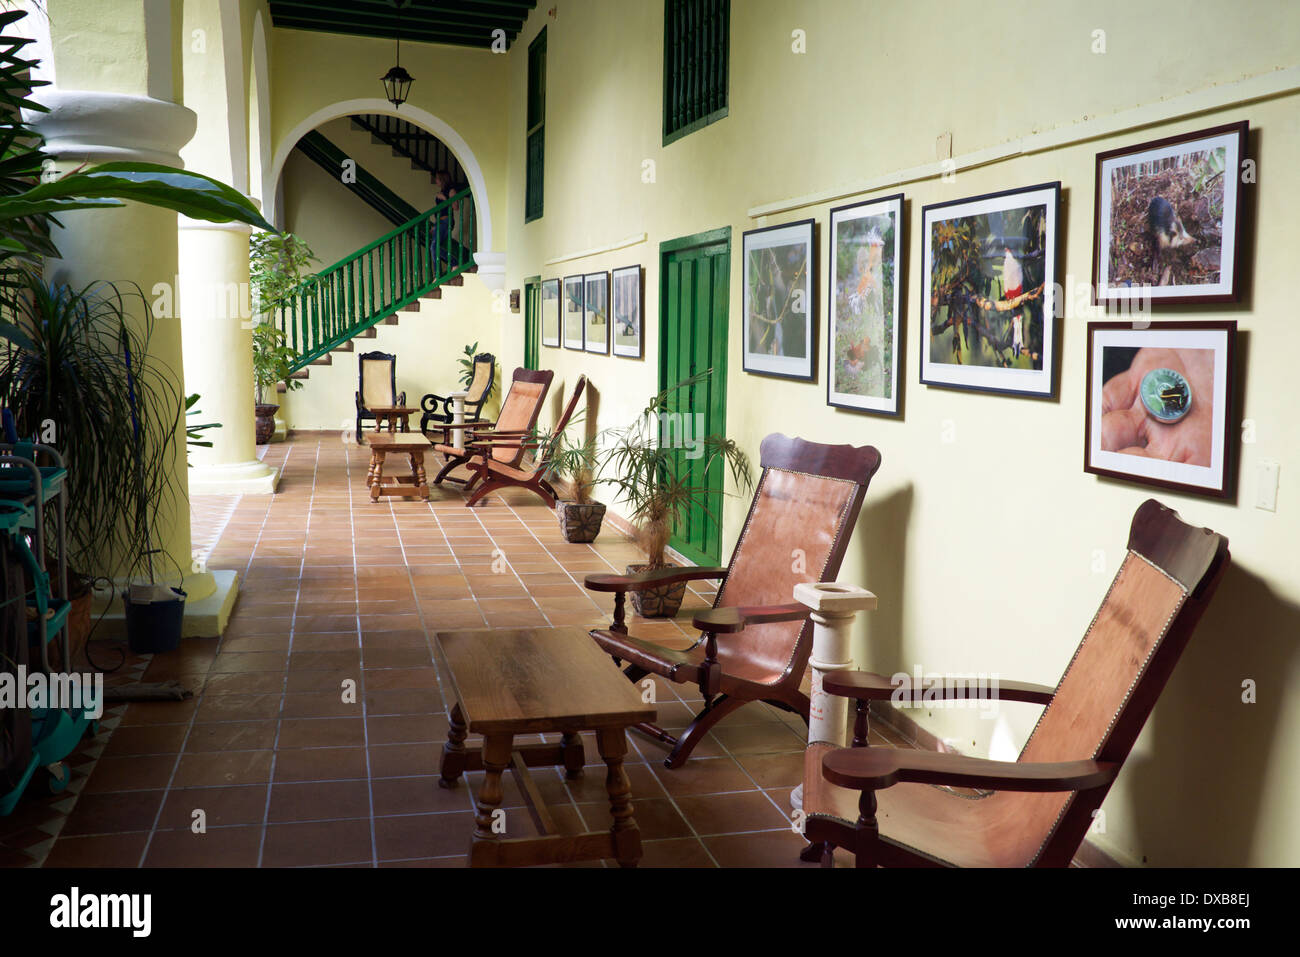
(1266, 490)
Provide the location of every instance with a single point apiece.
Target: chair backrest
(485, 370)
(1164, 583)
(377, 379)
(562, 423)
(521, 407)
(799, 523)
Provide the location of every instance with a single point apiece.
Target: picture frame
(1159, 404)
(571, 313)
(780, 305)
(550, 310)
(595, 312)
(1167, 220)
(1003, 244)
(864, 315)
(627, 306)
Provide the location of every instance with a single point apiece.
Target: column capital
(491, 269)
(97, 127)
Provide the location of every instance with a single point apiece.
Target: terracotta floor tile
(320, 764)
(231, 736)
(147, 739)
(105, 850)
(113, 813)
(322, 733)
(730, 813)
(308, 844)
(319, 801)
(221, 806)
(215, 847)
(423, 835)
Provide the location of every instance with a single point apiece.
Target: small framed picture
(572, 312)
(551, 313)
(779, 307)
(1159, 397)
(595, 310)
(862, 363)
(988, 292)
(1168, 219)
(628, 306)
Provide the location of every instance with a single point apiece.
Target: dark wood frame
(399, 398)
(430, 402)
(1229, 326)
(486, 431)
(810, 314)
(900, 315)
(1242, 130)
(564, 288)
(1051, 318)
(586, 345)
(559, 319)
(640, 305)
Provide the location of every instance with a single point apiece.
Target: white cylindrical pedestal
(458, 418)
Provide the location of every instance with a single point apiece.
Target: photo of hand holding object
(1127, 427)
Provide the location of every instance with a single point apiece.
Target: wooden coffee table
(413, 446)
(537, 681)
(391, 416)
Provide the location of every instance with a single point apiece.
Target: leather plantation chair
(477, 392)
(519, 411)
(492, 473)
(755, 642)
(376, 386)
(892, 806)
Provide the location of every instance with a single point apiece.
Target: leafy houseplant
(194, 433)
(276, 262)
(654, 478)
(467, 371)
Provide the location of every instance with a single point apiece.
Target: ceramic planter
(661, 601)
(580, 523)
(265, 421)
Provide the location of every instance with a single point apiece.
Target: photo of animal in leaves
(779, 305)
(989, 290)
(863, 312)
(1167, 216)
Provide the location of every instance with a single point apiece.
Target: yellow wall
(1009, 585)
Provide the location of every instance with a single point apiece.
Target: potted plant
(656, 479)
(276, 264)
(575, 462)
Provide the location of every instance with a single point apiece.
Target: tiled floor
(280, 770)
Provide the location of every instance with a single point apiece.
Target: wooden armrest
(650, 578)
(870, 769)
(724, 621)
(866, 686)
(464, 425)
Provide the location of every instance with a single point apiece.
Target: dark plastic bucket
(156, 626)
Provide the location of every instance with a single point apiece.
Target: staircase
(424, 150)
(364, 185)
(390, 275)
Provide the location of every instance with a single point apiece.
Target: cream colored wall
(1007, 585)
(320, 209)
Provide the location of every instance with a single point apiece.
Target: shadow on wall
(881, 540)
(1197, 794)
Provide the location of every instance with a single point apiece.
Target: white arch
(450, 138)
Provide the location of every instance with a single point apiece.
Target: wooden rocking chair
(519, 411)
(879, 802)
(438, 408)
(756, 642)
(493, 470)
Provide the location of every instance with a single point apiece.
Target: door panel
(532, 322)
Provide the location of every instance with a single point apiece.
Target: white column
(834, 606)
(458, 418)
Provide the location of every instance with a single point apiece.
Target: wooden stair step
(434, 293)
(455, 281)
(325, 360)
(391, 320)
(411, 307)
(368, 334)
(301, 374)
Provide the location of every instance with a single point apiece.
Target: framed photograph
(1159, 401)
(595, 311)
(779, 307)
(988, 292)
(572, 304)
(551, 313)
(1168, 217)
(863, 316)
(628, 308)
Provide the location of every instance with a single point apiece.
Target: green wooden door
(532, 320)
(694, 282)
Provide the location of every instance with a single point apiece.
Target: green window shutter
(535, 132)
(697, 42)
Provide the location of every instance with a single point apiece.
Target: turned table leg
(574, 754)
(626, 836)
(370, 470)
(377, 476)
(418, 476)
(487, 832)
(453, 752)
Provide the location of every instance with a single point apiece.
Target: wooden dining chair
(756, 641)
(438, 408)
(376, 386)
(493, 469)
(892, 807)
(519, 411)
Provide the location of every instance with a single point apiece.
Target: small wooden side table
(536, 681)
(391, 416)
(413, 446)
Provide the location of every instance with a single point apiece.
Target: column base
(210, 600)
(281, 432)
(242, 478)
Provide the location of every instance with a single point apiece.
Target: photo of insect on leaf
(778, 311)
(989, 285)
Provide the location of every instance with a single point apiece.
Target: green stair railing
(365, 288)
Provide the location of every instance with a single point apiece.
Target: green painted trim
(708, 238)
(533, 279)
(694, 125)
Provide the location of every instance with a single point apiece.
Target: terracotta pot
(661, 601)
(78, 633)
(265, 421)
(580, 523)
